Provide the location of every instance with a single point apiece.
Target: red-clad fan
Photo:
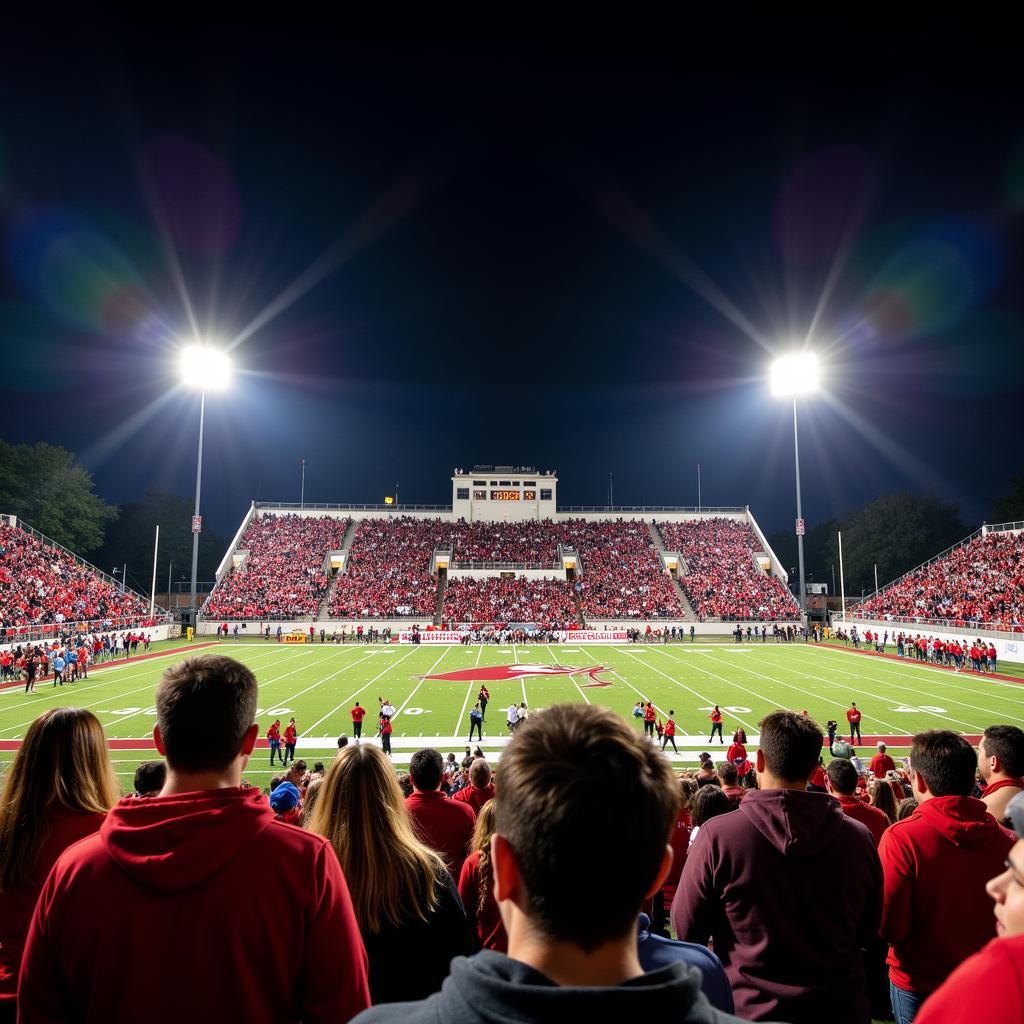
(480, 789)
(106, 939)
(853, 716)
(358, 714)
(951, 836)
(444, 825)
(476, 886)
(881, 763)
(737, 750)
(842, 776)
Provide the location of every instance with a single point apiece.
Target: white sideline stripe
(322, 742)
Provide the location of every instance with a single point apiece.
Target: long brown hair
(62, 762)
(360, 810)
(881, 796)
(482, 832)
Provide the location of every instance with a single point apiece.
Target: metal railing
(53, 630)
(350, 506)
(966, 625)
(612, 509)
(509, 566)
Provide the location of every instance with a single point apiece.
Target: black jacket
(491, 988)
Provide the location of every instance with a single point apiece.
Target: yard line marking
(945, 698)
(412, 650)
(702, 696)
(868, 693)
(260, 686)
(469, 690)
(557, 662)
(956, 683)
(420, 683)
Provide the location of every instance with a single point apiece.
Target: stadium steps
(324, 611)
(684, 602)
(439, 603)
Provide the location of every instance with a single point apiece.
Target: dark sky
(579, 261)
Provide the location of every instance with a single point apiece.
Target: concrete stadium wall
(161, 632)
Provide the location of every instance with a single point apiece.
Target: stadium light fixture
(792, 376)
(205, 368)
(795, 374)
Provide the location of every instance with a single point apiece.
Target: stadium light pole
(203, 368)
(794, 375)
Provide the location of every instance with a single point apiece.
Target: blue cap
(284, 798)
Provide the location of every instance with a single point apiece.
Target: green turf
(318, 684)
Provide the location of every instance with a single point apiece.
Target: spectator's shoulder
(425, 1011)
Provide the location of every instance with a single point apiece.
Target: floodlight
(795, 374)
(205, 368)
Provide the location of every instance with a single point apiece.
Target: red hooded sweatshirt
(988, 986)
(936, 911)
(790, 889)
(195, 904)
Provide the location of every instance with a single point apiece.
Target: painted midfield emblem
(493, 673)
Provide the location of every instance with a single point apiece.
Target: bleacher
(980, 582)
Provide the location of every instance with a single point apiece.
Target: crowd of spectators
(723, 580)
(283, 574)
(622, 575)
(548, 603)
(40, 584)
(388, 570)
(980, 583)
(530, 541)
(450, 894)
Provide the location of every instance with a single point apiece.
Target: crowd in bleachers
(722, 578)
(455, 893)
(981, 582)
(530, 541)
(44, 584)
(283, 573)
(622, 575)
(388, 571)
(547, 602)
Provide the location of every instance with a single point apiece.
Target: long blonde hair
(360, 810)
(62, 762)
(482, 832)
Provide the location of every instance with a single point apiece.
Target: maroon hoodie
(195, 906)
(790, 890)
(936, 911)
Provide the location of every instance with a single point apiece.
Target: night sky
(434, 258)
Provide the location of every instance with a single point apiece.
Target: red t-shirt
(877, 821)
(880, 764)
(358, 713)
(853, 716)
(289, 734)
(476, 798)
(715, 716)
(649, 714)
(444, 825)
(737, 752)
(670, 728)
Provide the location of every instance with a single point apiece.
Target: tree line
(46, 487)
(896, 532)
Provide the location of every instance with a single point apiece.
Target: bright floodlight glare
(795, 374)
(205, 368)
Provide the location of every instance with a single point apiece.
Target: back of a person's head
(150, 777)
(480, 773)
(342, 741)
(62, 762)
(709, 802)
(790, 744)
(842, 775)
(204, 707)
(426, 768)
(584, 800)
(361, 811)
(946, 762)
(1007, 743)
(728, 774)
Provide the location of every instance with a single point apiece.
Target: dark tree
(46, 487)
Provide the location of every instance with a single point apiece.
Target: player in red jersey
(358, 713)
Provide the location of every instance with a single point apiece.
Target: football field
(434, 687)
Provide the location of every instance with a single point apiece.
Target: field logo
(493, 673)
